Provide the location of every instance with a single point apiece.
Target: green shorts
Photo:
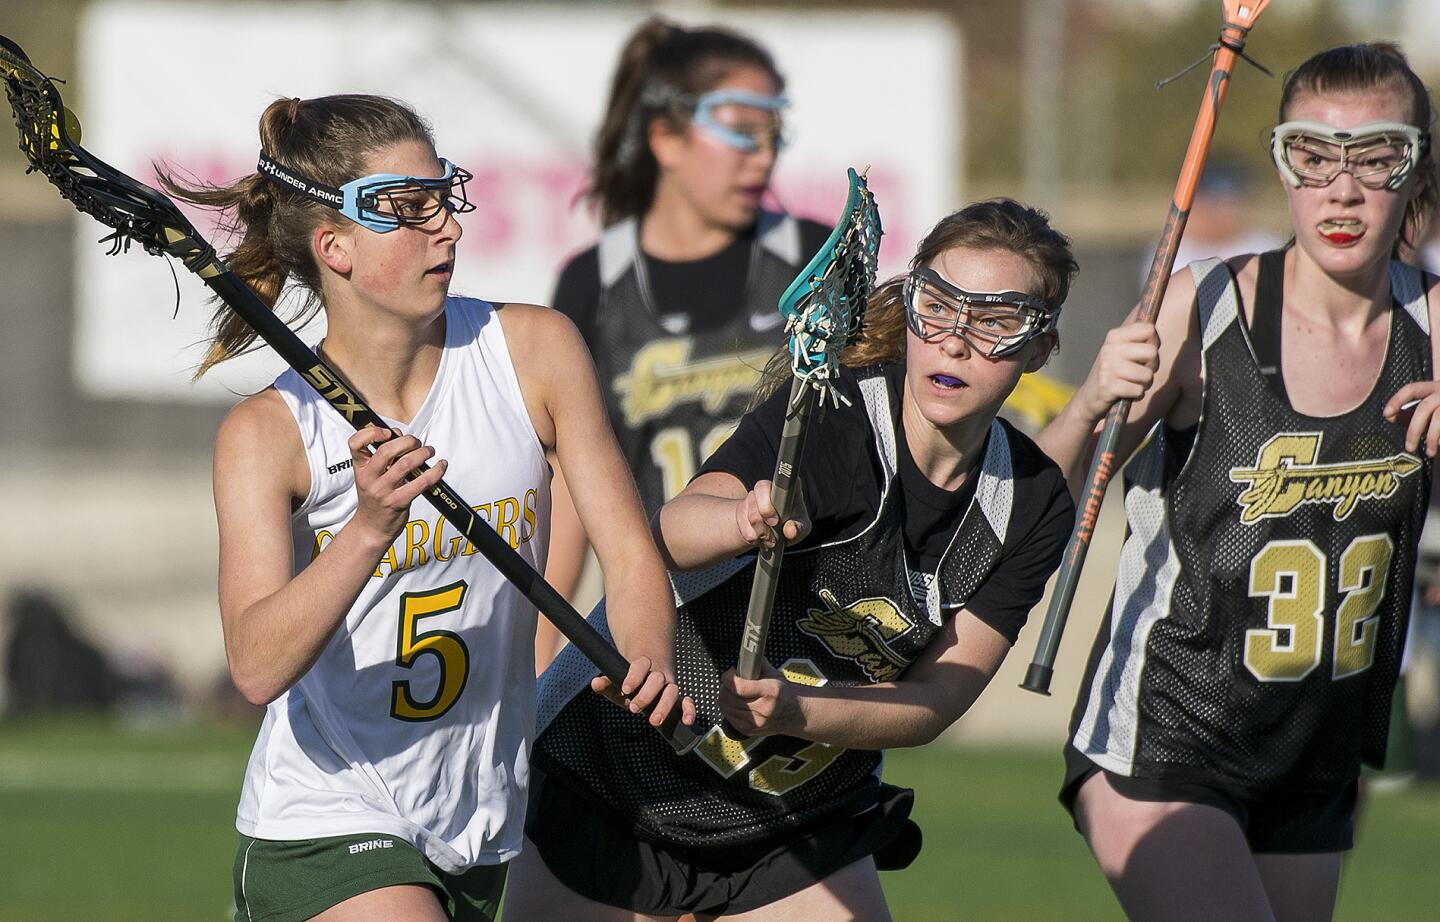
(294, 880)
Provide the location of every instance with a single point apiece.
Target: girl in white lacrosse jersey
(389, 777)
(1287, 406)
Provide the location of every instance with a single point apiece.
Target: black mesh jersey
(1260, 609)
(843, 614)
(674, 390)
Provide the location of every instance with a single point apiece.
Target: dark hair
(326, 139)
(996, 224)
(1367, 67)
(662, 67)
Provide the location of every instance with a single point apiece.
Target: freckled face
(948, 381)
(406, 271)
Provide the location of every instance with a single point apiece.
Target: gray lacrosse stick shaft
(767, 565)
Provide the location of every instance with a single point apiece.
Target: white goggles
(993, 323)
(1380, 155)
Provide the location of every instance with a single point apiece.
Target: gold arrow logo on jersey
(860, 632)
(1285, 476)
(662, 375)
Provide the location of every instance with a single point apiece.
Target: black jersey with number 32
(1260, 609)
(844, 614)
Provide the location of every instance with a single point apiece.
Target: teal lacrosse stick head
(825, 305)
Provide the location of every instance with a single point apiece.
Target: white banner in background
(514, 93)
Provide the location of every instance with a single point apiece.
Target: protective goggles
(993, 323)
(1380, 155)
(742, 120)
(382, 202)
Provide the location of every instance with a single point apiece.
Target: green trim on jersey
(294, 880)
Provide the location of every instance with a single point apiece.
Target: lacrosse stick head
(1243, 13)
(50, 140)
(825, 304)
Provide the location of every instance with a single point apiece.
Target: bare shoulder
(259, 441)
(545, 347)
(538, 330)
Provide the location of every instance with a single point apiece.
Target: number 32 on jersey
(1292, 576)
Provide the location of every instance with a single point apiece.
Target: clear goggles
(993, 323)
(383, 202)
(742, 120)
(1379, 155)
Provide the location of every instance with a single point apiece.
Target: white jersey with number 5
(417, 719)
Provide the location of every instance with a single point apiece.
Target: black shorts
(599, 858)
(1276, 824)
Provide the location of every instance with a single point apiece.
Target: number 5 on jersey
(450, 653)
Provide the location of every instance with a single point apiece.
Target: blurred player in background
(1246, 667)
(931, 530)
(1222, 218)
(389, 776)
(678, 300)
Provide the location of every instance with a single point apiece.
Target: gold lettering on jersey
(860, 632)
(1285, 476)
(662, 376)
(423, 540)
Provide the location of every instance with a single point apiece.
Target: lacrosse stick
(1238, 19)
(823, 308)
(49, 138)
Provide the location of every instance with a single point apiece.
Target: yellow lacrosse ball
(72, 129)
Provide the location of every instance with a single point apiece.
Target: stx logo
(1286, 476)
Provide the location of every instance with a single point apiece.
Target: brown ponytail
(326, 139)
(662, 68)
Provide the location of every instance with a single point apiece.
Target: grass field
(106, 821)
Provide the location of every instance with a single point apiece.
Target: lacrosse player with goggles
(927, 531)
(395, 663)
(677, 299)
(1246, 666)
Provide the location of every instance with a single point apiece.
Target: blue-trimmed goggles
(1380, 155)
(745, 132)
(381, 202)
(993, 323)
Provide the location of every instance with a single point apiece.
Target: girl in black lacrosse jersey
(677, 301)
(1245, 669)
(935, 527)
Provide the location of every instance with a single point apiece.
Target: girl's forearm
(274, 642)
(1069, 441)
(885, 716)
(698, 530)
(640, 608)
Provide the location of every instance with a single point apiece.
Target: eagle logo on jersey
(662, 375)
(1286, 476)
(860, 632)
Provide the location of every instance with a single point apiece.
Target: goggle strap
(318, 192)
